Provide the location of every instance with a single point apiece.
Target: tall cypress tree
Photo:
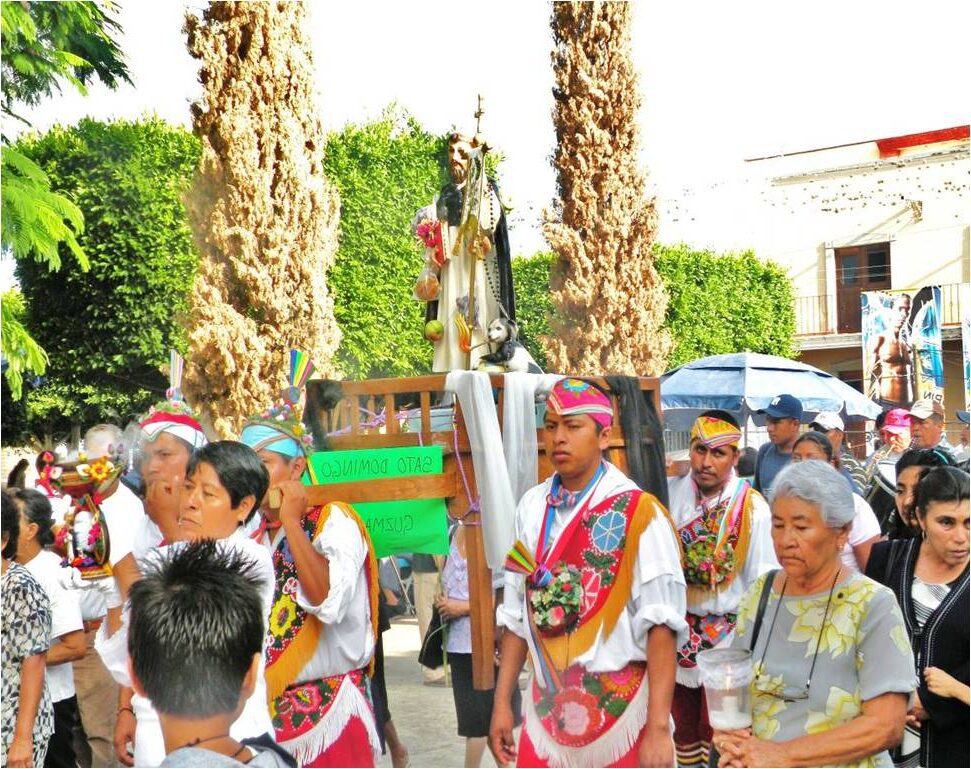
(264, 216)
(609, 302)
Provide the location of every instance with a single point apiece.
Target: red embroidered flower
(573, 676)
(290, 586)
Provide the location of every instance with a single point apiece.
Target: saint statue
(467, 278)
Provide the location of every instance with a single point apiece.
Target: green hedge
(718, 303)
(108, 330)
(385, 170)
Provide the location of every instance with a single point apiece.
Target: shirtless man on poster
(890, 359)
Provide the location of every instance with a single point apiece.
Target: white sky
(720, 81)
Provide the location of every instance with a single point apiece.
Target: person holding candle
(724, 528)
(929, 576)
(833, 666)
(594, 594)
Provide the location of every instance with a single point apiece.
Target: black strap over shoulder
(266, 742)
(763, 602)
(895, 548)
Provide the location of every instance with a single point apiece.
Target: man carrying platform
(322, 627)
(595, 594)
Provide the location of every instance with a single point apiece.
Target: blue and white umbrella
(745, 382)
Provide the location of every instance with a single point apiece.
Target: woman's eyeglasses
(787, 694)
(762, 683)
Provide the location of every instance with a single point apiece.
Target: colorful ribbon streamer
(301, 368)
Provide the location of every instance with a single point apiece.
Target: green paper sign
(401, 526)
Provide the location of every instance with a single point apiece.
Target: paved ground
(423, 715)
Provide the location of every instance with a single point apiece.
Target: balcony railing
(812, 315)
(813, 312)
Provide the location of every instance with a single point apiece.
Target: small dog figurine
(509, 353)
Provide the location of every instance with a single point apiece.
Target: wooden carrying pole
(414, 395)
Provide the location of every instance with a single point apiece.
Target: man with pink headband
(595, 595)
(726, 531)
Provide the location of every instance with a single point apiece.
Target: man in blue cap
(783, 416)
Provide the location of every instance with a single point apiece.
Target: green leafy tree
(25, 354)
(718, 303)
(108, 330)
(385, 171)
(723, 303)
(534, 301)
(43, 44)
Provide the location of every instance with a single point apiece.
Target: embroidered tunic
(710, 607)
(345, 644)
(656, 598)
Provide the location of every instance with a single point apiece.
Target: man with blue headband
(326, 575)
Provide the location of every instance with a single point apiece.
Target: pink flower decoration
(575, 717)
(307, 699)
(290, 586)
(622, 676)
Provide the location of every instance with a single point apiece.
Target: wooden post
(481, 605)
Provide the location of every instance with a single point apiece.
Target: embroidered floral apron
(584, 705)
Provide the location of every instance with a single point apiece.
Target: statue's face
(459, 150)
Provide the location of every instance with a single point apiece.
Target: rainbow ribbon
(520, 560)
(301, 368)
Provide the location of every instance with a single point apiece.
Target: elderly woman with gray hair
(833, 666)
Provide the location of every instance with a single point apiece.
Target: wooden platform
(411, 400)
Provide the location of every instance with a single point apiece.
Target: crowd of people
(212, 616)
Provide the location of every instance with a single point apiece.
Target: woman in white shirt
(67, 628)
(224, 484)
(865, 529)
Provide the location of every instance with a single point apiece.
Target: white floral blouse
(863, 653)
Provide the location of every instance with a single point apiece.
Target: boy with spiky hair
(195, 642)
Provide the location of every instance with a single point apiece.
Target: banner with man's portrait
(901, 337)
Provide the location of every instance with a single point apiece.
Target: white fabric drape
(519, 427)
(491, 475)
